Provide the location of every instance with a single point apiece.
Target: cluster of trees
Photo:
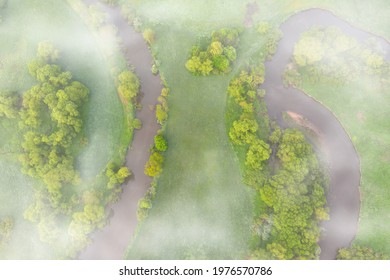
(360, 253)
(331, 56)
(218, 56)
(295, 197)
(291, 188)
(9, 105)
(6, 226)
(116, 176)
(243, 132)
(51, 118)
(153, 167)
(91, 217)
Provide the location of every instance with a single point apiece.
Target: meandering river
(344, 166)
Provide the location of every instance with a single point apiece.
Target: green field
(202, 209)
(24, 25)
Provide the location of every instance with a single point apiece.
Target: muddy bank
(113, 240)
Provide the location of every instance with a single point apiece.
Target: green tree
(153, 167)
(243, 131)
(215, 48)
(160, 143)
(258, 152)
(149, 36)
(47, 52)
(129, 85)
(161, 114)
(8, 105)
(221, 63)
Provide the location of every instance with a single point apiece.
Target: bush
(153, 167)
(136, 124)
(160, 143)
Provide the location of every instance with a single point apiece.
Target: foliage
(6, 226)
(293, 192)
(297, 199)
(149, 36)
(330, 55)
(258, 152)
(137, 124)
(153, 167)
(243, 131)
(47, 52)
(360, 253)
(217, 57)
(116, 175)
(8, 105)
(160, 143)
(50, 118)
(162, 108)
(129, 85)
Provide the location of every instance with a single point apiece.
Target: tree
(149, 36)
(221, 63)
(129, 85)
(8, 105)
(6, 226)
(230, 53)
(258, 152)
(47, 52)
(160, 143)
(243, 131)
(153, 167)
(136, 124)
(161, 114)
(215, 48)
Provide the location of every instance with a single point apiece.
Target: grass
(202, 209)
(25, 25)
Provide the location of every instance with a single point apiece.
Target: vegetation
(6, 226)
(50, 118)
(129, 86)
(8, 105)
(218, 56)
(358, 75)
(360, 253)
(293, 191)
(160, 143)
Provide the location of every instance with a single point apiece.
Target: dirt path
(113, 240)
